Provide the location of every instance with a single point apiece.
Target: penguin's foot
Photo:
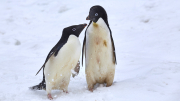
(91, 89)
(108, 84)
(65, 91)
(49, 96)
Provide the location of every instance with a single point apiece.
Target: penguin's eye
(74, 29)
(96, 14)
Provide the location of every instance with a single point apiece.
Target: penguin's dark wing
(114, 51)
(84, 43)
(54, 51)
(58, 48)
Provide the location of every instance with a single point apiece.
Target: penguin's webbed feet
(91, 89)
(65, 91)
(49, 96)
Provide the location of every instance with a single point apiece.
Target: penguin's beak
(84, 25)
(81, 27)
(91, 18)
(87, 18)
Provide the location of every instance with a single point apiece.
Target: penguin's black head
(73, 30)
(96, 12)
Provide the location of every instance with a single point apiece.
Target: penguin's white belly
(99, 52)
(58, 69)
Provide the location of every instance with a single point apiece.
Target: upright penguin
(99, 49)
(62, 58)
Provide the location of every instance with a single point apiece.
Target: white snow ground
(146, 35)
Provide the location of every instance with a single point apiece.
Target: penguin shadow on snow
(39, 93)
(97, 85)
(103, 86)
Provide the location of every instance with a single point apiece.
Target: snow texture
(146, 35)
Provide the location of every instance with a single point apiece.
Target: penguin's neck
(100, 23)
(63, 39)
(105, 20)
(72, 38)
(72, 43)
(67, 39)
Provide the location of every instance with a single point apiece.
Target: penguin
(99, 48)
(61, 61)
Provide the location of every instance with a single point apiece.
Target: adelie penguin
(98, 45)
(61, 60)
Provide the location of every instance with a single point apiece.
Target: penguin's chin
(94, 20)
(95, 24)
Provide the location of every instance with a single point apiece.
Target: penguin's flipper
(114, 51)
(76, 70)
(49, 55)
(54, 51)
(84, 43)
(83, 49)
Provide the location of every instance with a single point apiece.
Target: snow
(146, 35)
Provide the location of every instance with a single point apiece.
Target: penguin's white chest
(58, 69)
(99, 52)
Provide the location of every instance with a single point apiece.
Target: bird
(99, 49)
(61, 61)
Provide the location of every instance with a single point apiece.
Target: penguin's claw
(91, 89)
(65, 91)
(49, 97)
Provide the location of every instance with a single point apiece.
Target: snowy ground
(146, 35)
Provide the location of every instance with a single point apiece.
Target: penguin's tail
(40, 86)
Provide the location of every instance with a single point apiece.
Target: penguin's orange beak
(87, 18)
